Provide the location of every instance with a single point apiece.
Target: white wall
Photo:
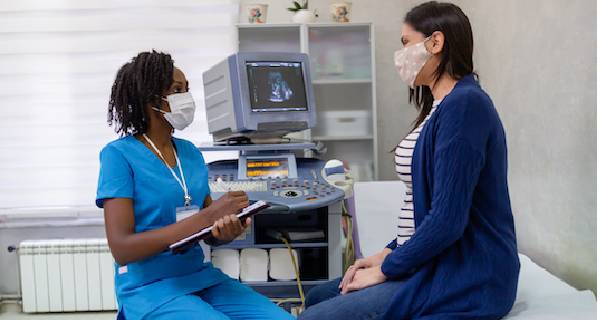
(538, 61)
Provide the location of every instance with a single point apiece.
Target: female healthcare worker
(147, 178)
(454, 256)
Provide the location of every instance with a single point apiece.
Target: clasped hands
(364, 273)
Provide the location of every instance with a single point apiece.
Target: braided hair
(139, 82)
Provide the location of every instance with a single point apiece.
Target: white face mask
(182, 110)
(410, 60)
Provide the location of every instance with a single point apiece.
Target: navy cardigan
(462, 261)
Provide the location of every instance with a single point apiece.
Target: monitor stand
(244, 140)
(234, 141)
(252, 148)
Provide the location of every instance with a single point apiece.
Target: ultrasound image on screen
(276, 86)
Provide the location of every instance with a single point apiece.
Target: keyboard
(242, 185)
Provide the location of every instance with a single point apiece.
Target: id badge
(184, 212)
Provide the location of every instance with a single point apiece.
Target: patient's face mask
(410, 60)
(182, 110)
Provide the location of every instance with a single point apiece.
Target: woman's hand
(364, 278)
(230, 203)
(350, 272)
(369, 262)
(229, 227)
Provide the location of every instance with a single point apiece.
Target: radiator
(66, 275)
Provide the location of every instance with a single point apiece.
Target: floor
(13, 311)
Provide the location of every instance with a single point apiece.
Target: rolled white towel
(253, 264)
(280, 264)
(227, 260)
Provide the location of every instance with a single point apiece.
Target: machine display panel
(264, 168)
(278, 166)
(276, 86)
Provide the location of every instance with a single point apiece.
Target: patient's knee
(322, 292)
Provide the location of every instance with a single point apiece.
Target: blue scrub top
(128, 169)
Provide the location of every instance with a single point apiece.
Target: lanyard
(183, 183)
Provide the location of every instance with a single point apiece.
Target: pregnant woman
(454, 255)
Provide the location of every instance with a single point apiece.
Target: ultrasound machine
(252, 101)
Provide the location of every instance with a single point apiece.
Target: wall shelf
(297, 25)
(342, 81)
(340, 138)
(267, 25)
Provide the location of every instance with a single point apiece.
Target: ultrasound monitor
(276, 86)
(259, 95)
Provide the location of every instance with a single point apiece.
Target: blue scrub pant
(225, 301)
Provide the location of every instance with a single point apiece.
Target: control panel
(301, 188)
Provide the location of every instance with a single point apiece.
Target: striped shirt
(403, 158)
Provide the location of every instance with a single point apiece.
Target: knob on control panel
(293, 193)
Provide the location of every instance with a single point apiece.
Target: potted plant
(302, 14)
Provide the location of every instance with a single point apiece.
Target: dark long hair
(457, 53)
(139, 82)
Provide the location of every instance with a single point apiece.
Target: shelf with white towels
(341, 81)
(283, 283)
(275, 245)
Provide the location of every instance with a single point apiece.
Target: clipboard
(183, 245)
